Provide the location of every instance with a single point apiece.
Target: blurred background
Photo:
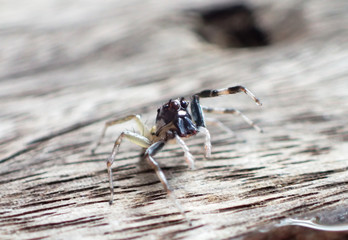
(80, 55)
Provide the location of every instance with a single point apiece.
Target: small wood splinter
(173, 121)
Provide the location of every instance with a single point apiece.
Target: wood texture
(67, 67)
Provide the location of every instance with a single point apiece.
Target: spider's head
(175, 116)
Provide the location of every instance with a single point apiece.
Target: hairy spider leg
(133, 137)
(207, 144)
(232, 111)
(226, 91)
(188, 156)
(197, 109)
(149, 153)
(142, 127)
(198, 118)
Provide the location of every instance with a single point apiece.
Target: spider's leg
(217, 122)
(198, 117)
(142, 127)
(133, 137)
(188, 156)
(150, 152)
(207, 144)
(232, 111)
(226, 91)
(197, 112)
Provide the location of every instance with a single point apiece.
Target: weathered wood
(68, 67)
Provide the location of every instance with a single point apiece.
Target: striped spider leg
(197, 110)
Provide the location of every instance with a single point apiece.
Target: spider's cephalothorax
(173, 121)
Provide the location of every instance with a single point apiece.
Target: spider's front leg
(226, 91)
(149, 153)
(197, 109)
(133, 137)
(188, 156)
(198, 117)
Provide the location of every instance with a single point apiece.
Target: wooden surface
(68, 66)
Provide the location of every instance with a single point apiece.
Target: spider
(173, 122)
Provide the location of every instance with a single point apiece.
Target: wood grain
(67, 67)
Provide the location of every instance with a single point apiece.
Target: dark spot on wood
(231, 176)
(141, 185)
(158, 216)
(261, 191)
(304, 161)
(283, 138)
(154, 195)
(324, 204)
(62, 224)
(64, 192)
(248, 206)
(149, 227)
(309, 117)
(291, 146)
(344, 137)
(20, 152)
(321, 174)
(266, 177)
(72, 146)
(271, 154)
(40, 203)
(299, 209)
(332, 185)
(299, 196)
(92, 203)
(231, 25)
(249, 169)
(21, 178)
(218, 167)
(63, 131)
(38, 238)
(332, 130)
(236, 174)
(315, 150)
(60, 181)
(223, 158)
(308, 207)
(173, 234)
(194, 195)
(243, 173)
(36, 211)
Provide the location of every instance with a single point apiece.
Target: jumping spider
(173, 121)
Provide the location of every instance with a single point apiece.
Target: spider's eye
(166, 106)
(184, 103)
(175, 105)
